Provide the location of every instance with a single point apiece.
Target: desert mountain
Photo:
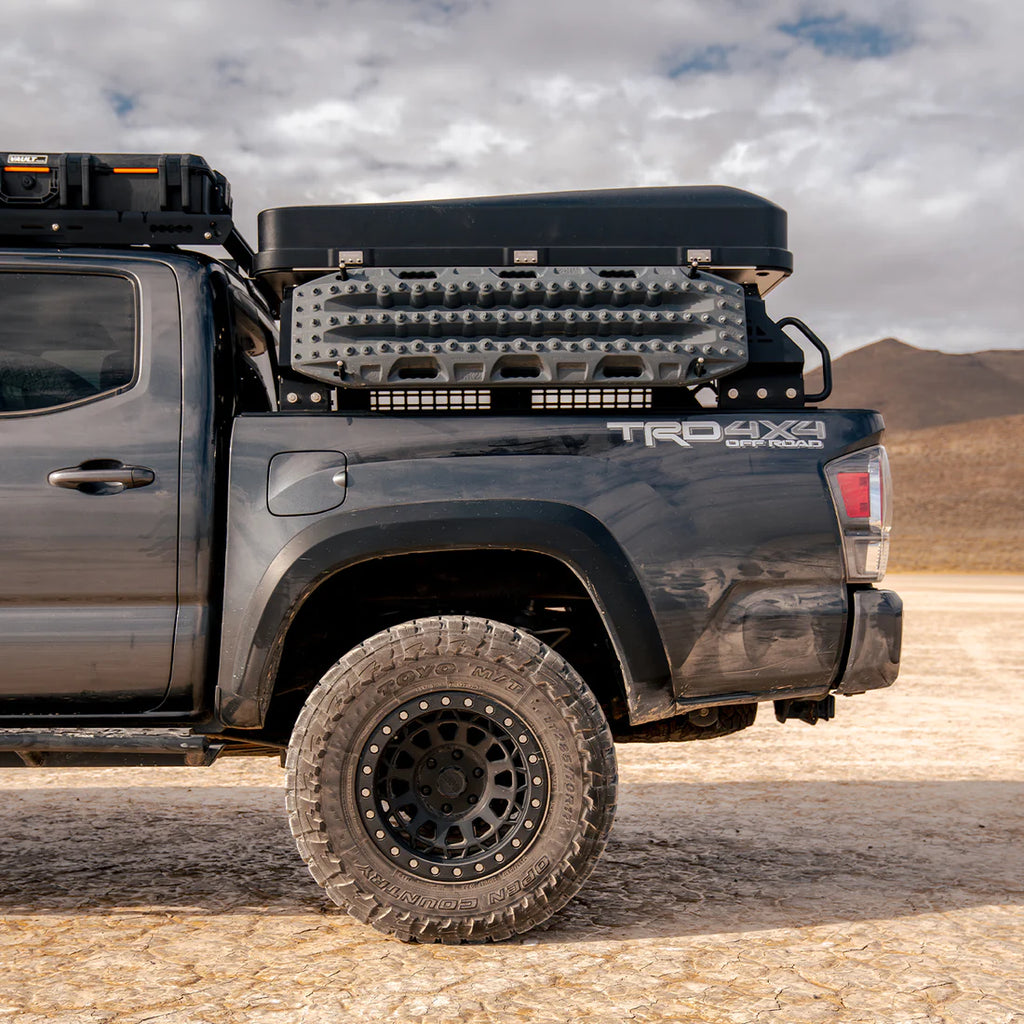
(957, 497)
(915, 388)
(957, 486)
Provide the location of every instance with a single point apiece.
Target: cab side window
(64, 338)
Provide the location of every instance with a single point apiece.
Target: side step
(101, 748)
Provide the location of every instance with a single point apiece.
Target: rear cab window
(65, 339)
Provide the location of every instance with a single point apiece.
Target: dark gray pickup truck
(432, 500)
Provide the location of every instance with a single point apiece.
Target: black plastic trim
(876, 642)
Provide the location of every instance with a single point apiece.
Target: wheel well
(531, 591)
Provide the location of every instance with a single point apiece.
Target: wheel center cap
(451, 782)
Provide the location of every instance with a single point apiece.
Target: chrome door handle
(101, 477)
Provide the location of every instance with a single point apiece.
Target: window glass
(64, 338)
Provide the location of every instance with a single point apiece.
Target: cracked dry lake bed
(867, 869)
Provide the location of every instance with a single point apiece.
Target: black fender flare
(565, 533)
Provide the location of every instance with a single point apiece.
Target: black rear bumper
(874, 659)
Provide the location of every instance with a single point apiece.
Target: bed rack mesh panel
(450, 400)
(440, 400)
(567, 399)
(485, 327)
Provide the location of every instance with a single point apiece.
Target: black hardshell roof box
(734, 233)
(112, 199)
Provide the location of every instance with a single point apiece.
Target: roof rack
(650, 288)
(63, 199)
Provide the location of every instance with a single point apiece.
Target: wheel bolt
(431, 762)
(425, 790)
(447, 808)
(456, 755)
(478, 773)
(472, 798)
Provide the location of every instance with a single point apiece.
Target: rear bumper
(874, 659)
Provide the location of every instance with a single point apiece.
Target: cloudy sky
(892, 132)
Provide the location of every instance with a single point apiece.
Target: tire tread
(411, 641)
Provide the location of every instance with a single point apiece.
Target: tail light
(861, 489)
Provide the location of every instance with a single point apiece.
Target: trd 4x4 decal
(738, 434)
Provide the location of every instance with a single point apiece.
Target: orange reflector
(136, 170)
(27, 169)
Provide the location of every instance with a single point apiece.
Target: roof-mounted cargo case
(625, 286)
(112, 199)
(733, 233)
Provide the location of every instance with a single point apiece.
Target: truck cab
(119, 375)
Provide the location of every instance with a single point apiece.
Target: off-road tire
(531, 794)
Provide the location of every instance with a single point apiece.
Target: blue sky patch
(842, 36)
(121, 103)
(699, 62)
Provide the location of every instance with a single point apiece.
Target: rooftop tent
(736, 234)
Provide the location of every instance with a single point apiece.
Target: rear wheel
(451, 779)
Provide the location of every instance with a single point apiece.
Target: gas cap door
(306, 483)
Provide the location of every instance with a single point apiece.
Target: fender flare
(336, 542)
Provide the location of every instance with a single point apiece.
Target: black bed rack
(654, 292)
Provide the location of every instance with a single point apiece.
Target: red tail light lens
(856, 491)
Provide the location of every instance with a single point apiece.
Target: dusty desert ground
(870, 869)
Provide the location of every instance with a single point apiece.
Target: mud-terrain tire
(451, 779)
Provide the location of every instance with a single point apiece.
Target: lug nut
(478, 773)
(425, 790)
(446, 808)
(456, 755)
(431, 762)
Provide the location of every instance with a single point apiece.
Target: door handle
(101, 476)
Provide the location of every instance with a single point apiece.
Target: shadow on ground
(684, 859)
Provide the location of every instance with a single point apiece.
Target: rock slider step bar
(100, 747)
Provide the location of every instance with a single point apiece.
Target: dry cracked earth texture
(868, 869)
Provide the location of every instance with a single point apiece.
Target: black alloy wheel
(456, 785)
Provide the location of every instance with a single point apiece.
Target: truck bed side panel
(732, 543)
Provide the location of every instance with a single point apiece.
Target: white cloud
(890, 131)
